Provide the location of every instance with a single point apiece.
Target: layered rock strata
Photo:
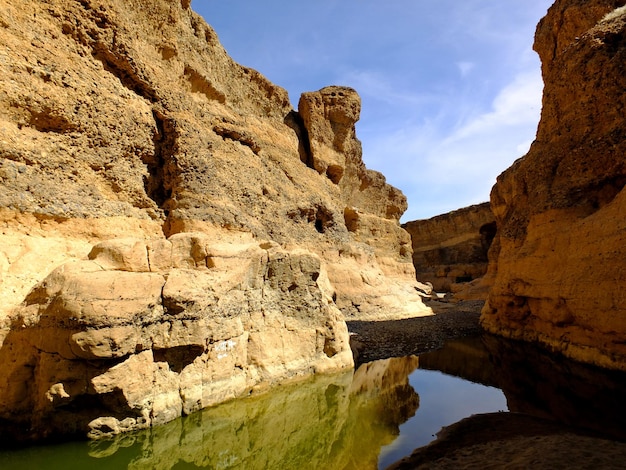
(173, 233)
(559, 266)
(144, 332)
(452, 248)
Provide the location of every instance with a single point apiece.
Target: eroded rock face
(113, 110)
(559, 210)
(126, 133)
(452, 248)
(144, 332)
(370, 273)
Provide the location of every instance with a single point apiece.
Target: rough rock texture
(141, 333)
(452, 248)
(158, 202)
(559, 265)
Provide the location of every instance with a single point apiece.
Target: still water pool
(444, 399)
(362, 420)
(366, 419)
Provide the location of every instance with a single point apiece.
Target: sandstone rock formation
(559, 265)
(164, 210)
(452, 248)
(142, 333)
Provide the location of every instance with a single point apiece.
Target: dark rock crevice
(294, 121)
(320, 216)
(110, 51)
(178, 357)
(121, 67)
(162, 167)
(238, 135)
(201, 84)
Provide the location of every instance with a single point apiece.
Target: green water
(366, 419)
(362, 420)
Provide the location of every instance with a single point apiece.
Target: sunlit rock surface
(450, 250)
(165, 211)
(142, 333)
(559, 269)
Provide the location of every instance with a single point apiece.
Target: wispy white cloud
(450, 167)
(451, 90)
(465, 67)
(374, 85)
(516, 104)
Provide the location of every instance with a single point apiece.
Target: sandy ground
(488, 441)
(514, 441)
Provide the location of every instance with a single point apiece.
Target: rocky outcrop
(558, 267)
(369, 273)
(164, 210)
(142, 333)
(452, 248)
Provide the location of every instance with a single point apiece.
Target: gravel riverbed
(373, 340)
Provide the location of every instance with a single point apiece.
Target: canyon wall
(172, 232)
(452, 248)
(559, 255)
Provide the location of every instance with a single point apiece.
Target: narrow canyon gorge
(174, 234)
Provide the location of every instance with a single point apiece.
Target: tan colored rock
(559, 273)
(158, 125)
(161, 211)
(169, 343)
(451, 249)
(329, 116)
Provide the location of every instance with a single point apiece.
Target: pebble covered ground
(489, 441)
(373, 340)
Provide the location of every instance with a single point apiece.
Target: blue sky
(450, 90)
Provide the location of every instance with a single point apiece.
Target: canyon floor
(492, 441)
(373, 340)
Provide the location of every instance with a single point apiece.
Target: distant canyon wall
(173, 233)
(452, 248)
(560, 248)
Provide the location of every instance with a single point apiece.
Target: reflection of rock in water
(386, 383)
(546, 385)
(464, 357)
(338, 422)
(537, 382)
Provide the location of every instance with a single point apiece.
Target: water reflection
(550, 386)
(467, 358)
(453, 383)
(338, 422)
(538, 383)
(360, 420)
